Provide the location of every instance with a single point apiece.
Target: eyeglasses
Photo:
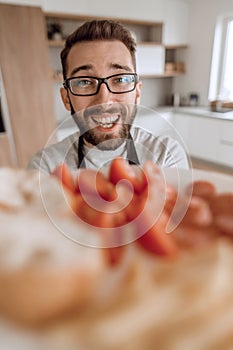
(88, 86)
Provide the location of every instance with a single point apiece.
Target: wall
(25, 2)
(204, 15)
(149, 10)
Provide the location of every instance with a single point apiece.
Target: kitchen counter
(201, 111)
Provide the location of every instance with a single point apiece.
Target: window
(221, 78)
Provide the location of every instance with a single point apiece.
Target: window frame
(219, 57)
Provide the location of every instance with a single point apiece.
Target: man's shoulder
(142, 135)
(163, 149)
(64, 144)
(51, 155)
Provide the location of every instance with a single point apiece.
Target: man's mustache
(105, 109)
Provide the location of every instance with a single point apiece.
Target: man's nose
(103, 95)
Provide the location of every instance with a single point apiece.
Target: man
(102, 90)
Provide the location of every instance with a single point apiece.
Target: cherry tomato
(63, 173)
(120, 169)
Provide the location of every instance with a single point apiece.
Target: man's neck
(88, 144)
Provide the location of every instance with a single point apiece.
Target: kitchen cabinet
(25, 68)
(206, 138)
(176, 23)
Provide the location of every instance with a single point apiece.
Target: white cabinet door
(204, 138)
(182, 129)
(200, 134)
(226, 142)
(150, 59)
(176, 22)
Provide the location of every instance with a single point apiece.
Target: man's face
(104, 116)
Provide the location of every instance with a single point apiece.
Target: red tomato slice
(201, 188)
(222, 203)
(94, 182)
(88, 213)
(120, 169)
(157, 241)
(96, 212)
(63, 173)
(136, 206)
(198, 213)
(224, 222)
(171, 198)
(153, 220)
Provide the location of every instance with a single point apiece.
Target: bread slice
(43, 272)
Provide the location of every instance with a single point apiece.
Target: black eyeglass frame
(66, 83)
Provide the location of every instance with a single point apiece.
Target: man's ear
(65, 98)
(138, 92)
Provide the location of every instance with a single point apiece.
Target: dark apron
(130, 147)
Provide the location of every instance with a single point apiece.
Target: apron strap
(132, 156)
(81, 160)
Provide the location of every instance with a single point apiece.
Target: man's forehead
(89, 55)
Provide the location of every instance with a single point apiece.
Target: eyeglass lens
(119, 83)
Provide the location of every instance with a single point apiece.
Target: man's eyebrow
(119, 66)
(77, 69)
(87, 67)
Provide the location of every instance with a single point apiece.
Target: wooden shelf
(164, 75)
(56, 43)
(148, 43)
(173, 74)
(175, 47)
(70, 16)
(61, 43)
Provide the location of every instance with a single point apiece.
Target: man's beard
(106, 141)
(101, 140)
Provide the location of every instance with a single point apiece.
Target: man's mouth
(106, 122)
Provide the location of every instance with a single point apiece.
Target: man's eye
(124, 79)
(82, 82)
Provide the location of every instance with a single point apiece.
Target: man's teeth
(106, 122)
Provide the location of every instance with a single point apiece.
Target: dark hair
(99, 30)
